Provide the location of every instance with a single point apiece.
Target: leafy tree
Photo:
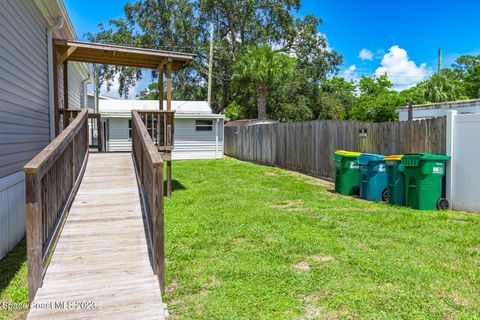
(467, 69)
(262, 67)
(337, 97)
(440, 88)
(183, 25)
(377, 100)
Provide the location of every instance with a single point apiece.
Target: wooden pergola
(164, 61)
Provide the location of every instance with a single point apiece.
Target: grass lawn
(248, 241)
(13, 281)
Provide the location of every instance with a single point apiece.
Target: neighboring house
(248, 122)
(26, 103)
(433, 110)
(198, 132)
(91, 105)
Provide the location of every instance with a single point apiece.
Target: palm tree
(263, 67)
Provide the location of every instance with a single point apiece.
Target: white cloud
(350, 73)
(113, 92)
(365, 54)
(402, 72)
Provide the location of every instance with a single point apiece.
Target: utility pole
(439, 60)
(209, 94)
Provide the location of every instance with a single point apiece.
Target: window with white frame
(203, 125)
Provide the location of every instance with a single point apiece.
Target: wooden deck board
(102, 255)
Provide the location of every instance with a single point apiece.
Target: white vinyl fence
(463, 171)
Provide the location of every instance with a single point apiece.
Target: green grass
(250, 242)
(254, 242)
(13, 282)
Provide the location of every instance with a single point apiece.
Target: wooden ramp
(101, 266)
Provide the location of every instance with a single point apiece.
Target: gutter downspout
(84, 89)
(51, 65)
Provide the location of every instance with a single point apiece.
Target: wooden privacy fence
(51, 181)
(149, 170)
(309, 146)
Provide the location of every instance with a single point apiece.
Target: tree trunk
(262, 100)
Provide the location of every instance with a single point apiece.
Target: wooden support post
(66, 116)
(169, 108)
(169, 178)
(160, 87)
(55, 92)
(99, 134)
(159, 233)
(169, 85)
(34, 224)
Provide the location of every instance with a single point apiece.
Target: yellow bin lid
(394, 157)
(348, 153)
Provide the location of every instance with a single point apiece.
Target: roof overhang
(119, 55)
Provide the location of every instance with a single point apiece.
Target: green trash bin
(424, 180)
(347, 172)
(396, 180)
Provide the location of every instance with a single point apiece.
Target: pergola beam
(66, 54)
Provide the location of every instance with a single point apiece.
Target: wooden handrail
(160, 126)
(69, 115)
(52, 178)
(149, 169)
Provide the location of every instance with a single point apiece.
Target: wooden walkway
(101, 266)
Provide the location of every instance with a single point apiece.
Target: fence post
(450, 137)
(33, 214)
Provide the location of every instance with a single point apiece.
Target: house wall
(188, 143)
(75, 78)
(118, 135)
(426, 113)
(192, 144)
(24, 107)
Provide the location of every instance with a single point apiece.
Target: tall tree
(262, 66)
(183, 25)
(467, 69)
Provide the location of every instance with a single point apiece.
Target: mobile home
(198, 131)
(26, 94)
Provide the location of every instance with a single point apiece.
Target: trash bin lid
(347, 153)
(394, 157)
(413, 159)
(365, 158)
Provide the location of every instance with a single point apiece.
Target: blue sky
(398, 37)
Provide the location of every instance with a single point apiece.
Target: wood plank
(102, 254)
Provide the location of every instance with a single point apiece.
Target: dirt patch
(458, 220)
(474, 249)
(172, 287)
(312, 312)
(301, 266)
(322, 258)
(290, 205)
(212, 283)
(319, 182)
(271, 174)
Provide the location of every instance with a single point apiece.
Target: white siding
(426, 113)
(75, 88)
(12, 212)
(118, 135)
(192, 144)
(24, 109)
(188, 143)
